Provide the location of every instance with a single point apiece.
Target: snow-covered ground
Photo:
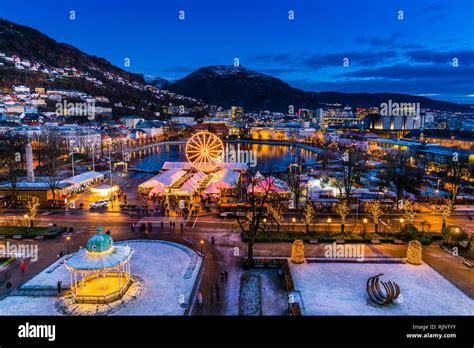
(339, 289)
(50, 276)
(167, 271)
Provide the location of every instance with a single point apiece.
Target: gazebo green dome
(100, 242)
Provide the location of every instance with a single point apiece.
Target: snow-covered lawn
(167, 271)
(339, 289)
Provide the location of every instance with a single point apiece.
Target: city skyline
(413, 55)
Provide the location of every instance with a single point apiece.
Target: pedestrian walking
(61, 254)
(226, 275)
(171, 225)
(222, 276)
(162, 225)
(212, 240)
(59, 286)
(132, 227)
(174, 225)
(23, 265)
(199, 299)
(182, 227)
(8, 285)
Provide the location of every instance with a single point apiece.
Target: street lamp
(202, 243)
(365, 225)
(329, 222)
(265, 224)
(68, 238)
(401, 224)
(71, 148)
(293, 220)
(456, 229)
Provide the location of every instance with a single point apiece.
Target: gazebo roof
(86, 261)
(99, 254)
(99, 243)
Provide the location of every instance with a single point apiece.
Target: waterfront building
(462, 139)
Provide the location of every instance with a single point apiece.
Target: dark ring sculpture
(376, 295)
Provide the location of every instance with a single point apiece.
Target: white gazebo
(100, 273)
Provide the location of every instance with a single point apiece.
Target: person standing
(174, 225)
(23, 265)
(222, 276)
(59, 286)
(226, 275)
(182, 227)
(212, 240)
(162, 225)
(171, 225)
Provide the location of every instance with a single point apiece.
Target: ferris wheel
(204, 151)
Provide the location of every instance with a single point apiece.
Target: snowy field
(339, 289)
(167, 271)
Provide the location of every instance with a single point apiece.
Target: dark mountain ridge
(230, 85)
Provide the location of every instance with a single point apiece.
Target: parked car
(99, 204)
(232, 214)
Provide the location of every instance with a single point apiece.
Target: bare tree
(297, 188)
(53, 150)
(400, 170)
(459, 175)
(257, 198)
(353, 167)
(12, 148)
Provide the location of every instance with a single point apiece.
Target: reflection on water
(270, 158)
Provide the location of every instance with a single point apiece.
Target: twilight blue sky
(385, 54)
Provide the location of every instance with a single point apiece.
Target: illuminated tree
(374, 208)
(32, 205)
(445, 207)
(409, 211)
(343, 209)
(308, 215)
(277, 210)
